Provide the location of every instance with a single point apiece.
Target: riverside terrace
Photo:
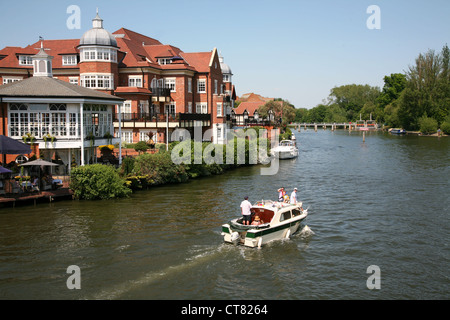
(25, 196)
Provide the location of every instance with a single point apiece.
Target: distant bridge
(360, 124)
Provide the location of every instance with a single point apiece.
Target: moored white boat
(397, 131)
(286, 149)
(280, 221)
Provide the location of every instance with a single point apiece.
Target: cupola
(42, 63)
(98, 36)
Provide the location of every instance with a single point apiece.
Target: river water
(380, 203)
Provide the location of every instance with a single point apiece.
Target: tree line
(417, 99)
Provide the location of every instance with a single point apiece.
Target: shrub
(97, 181)
(445, 126)
(141, 146)
(106, 148)
(159, 168)
(427, 125)
(127, 166)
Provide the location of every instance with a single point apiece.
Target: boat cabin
(278, 214)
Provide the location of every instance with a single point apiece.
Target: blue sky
(293, 49)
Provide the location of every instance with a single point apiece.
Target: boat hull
(257, 237)
(286, 154)
(397, 131)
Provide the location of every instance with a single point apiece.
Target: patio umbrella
(39, 162)
(4, 170)
(11, 146)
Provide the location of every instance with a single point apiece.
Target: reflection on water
(382, 202)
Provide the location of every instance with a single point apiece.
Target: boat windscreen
(264, 214)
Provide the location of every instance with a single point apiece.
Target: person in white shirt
(294, 196)
(246, 207)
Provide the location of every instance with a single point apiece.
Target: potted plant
(108, 136)
(28, 136)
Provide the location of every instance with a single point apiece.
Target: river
(382, 203)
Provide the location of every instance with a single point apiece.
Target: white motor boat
(279, 221)
(286, 149)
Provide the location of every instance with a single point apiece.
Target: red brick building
(163, 87)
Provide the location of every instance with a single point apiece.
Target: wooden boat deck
(31, 198)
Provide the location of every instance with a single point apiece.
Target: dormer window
(163, 61)
(69, 60)
(25, 60)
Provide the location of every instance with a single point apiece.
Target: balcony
(249, 121)
(160, 94)
(189, 120)
(159, 120)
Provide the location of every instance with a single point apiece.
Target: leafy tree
(393, 87)
(300, 114)
(427, 90)
(317, 114)
(445, 126)
(352, 98)
(280, 108)
(427, 125)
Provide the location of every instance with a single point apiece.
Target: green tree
(427, 90)
(393, 87)
(300, 115)
(352, 98)
(317, 114)
(280, 108)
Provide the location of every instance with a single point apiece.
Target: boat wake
(116, 292)
(306, 232)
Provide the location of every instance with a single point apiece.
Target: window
(201, 107)
(226, 78)
(126, 110)
(296, 212)
(97, 120)
(189, 85)
(21, 159)
(58, 106)
(135, 81)
(73, 80)
(98, 54)
(285, 216)
(219, 109)
(189, 109)
(144, 135)
(41, 119)
(170, 84)
(143, 107)
(215, 86)
(25, 60)
(7, 80)
(201, 86)
(163, 61)
(127, 136)
(171, 107)
(97, 81)
(69, 60)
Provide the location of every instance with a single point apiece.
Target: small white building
(65, 120)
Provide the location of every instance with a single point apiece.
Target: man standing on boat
(246, 207)
(294, 196)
